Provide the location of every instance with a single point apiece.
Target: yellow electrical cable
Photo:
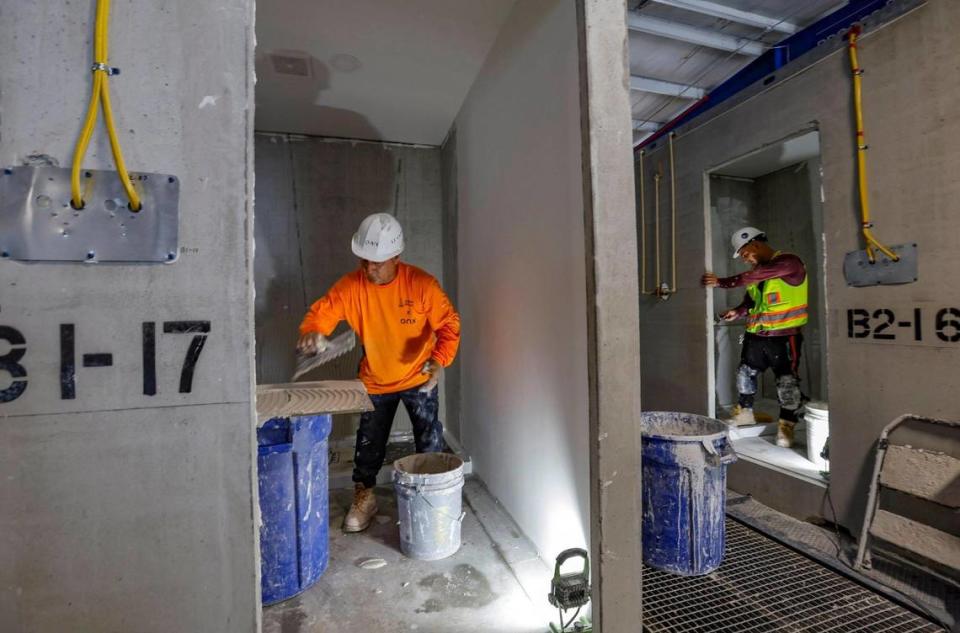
(100, 96)
(866, 224)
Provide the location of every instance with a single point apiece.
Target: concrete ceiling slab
(390, 70)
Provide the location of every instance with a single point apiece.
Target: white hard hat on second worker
(378, 239)
(742, 237)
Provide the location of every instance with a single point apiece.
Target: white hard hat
(378, 239)
(742, 237)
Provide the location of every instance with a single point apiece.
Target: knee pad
(788, 392)
(747, 380)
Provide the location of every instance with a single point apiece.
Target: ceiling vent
(294, 64)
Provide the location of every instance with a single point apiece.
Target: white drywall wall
(522, 287)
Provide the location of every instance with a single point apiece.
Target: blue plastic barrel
(294, 504)
(685, 459)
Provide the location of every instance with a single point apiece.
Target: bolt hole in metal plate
(38, 223)
(859, 272)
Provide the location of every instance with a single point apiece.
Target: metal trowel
(337, 347)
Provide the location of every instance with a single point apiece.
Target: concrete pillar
(122, 510)
(613, 305)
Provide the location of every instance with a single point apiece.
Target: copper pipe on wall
(656, 228)
(661, 288)
(673, 215)
(643, 230)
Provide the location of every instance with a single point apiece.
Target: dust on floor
(473, 590)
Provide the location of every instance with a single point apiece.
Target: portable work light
(570, 590)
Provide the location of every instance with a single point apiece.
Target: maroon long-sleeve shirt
(784, 266)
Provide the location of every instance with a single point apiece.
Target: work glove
(433, 369)
(312, 343)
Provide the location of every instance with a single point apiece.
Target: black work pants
(780, 354)
(374, 431)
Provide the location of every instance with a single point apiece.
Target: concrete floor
(474, 590)
(764, 450)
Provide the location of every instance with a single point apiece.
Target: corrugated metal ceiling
(667, 58)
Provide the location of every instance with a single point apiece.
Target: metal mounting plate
(859, 272)
(37, 222)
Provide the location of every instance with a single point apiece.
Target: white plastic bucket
(816, 416)
(429, 489)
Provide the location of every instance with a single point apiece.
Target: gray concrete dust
(473, 590)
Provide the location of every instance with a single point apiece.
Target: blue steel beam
(775, 58)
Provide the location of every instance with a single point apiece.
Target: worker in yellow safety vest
(775, 305)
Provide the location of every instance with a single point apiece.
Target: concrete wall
(732, 205)
(522, 273)
(613, 354)
(789, 202)
(451, 276)
(312, 193)
(910, 92)
(123, 511)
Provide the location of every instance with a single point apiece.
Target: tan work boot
(762, 418)
(362, 511)
(741, 416)
(785, 434)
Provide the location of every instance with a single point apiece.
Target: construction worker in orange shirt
(409, 330)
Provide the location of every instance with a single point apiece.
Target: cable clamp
(863, 147)
(867, 225)
(110, 70)
(857, 71)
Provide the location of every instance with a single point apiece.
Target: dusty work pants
(782, 355)
(374, 431)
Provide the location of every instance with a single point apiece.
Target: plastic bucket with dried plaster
(685, 458)
(292, 472)
(429, 488)
(817, 418)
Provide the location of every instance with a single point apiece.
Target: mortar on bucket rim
(429, 502)
(675, 425)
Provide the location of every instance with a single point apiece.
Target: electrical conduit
(872, 242)
(100, 96)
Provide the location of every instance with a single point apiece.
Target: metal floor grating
(764, 586)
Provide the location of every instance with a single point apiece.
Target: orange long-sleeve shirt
(402, 325)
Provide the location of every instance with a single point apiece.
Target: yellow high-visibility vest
(779, 307)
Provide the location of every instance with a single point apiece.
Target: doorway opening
(371, 107)
(776, 188)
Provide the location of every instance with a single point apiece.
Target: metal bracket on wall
(860, 272)
(38, 224)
